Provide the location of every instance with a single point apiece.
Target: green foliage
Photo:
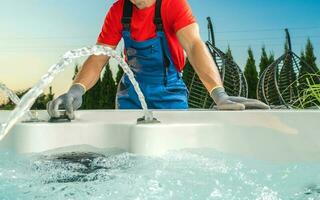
(39, 104)
(91, 98)
(42, 100)
(251, 74)
(306, 84)
(76, 70)
(103, 94)
(310, 58)
(265, 61)
(108, 90)
(307, 81)
(188, 73)
(304, 70)
(7, 106)
(119, 75)
(309, 97)
(229, 54)
(271, 58)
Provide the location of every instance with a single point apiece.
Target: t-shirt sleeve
(111, 29)
(181, 16)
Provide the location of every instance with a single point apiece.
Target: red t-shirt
(176, 14)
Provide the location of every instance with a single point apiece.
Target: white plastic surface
(268, 135)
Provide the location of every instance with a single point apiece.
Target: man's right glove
(69, 101)
(226, 102)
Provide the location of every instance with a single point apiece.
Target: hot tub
(266, 135)
(195, 155)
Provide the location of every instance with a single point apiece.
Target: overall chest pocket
(145, 53)
(141, 51)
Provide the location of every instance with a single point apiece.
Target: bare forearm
(204, 65)
(91, 70)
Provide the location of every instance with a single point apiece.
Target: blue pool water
(181, 175)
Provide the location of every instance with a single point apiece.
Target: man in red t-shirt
(156, 34)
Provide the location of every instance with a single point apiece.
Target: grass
(309, 94)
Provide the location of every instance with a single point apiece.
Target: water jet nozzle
(64, 118)
(143, 120)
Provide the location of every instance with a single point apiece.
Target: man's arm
(199, 56)
(91, 70)
(86, 79)
(207, 71)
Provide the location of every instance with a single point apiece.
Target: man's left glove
(70, 101)
(226, 102)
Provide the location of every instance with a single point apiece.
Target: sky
(35, 33)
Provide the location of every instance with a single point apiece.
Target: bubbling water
(28, 99)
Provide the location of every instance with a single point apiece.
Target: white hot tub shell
(267, 135)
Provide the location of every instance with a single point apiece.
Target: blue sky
(35, 33)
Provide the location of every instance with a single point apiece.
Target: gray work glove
(226, 102)
(69, 101)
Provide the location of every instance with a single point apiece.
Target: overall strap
(157, 17)
(127, 15)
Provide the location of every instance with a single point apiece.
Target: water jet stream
(28, 99)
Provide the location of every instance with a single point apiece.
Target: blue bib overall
(153, 67)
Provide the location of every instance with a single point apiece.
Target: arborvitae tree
(303, 58)
(42, 100)
(85, 99)
(76, 70)
(310, 58)
(9, 105)
(119, 75)
(50, 95)
(91, 98)
(304, 66)
(305, 75)
(304, 70)
(264, 61)
(229, 54)
(108, 90)
(188, 73)
(39, 104)
(271, 58)
(251, 74)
